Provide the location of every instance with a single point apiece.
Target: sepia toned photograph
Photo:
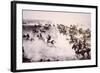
(48, 36)
(55, 36)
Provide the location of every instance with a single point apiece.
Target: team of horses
(82, 49)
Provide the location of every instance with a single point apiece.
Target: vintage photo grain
(55, 36)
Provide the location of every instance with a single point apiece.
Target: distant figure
(75, 45)
(84, 43)
(52, 42)
(48, 60)
(35, 31)
(79, 45)
(26, 36)
(43, 31)
(41, 60)
(88, 53)
(23, 49)
(71, 39)
(48, 39)
(40, 36)
(47, 26)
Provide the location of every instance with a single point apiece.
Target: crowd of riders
(81, 49)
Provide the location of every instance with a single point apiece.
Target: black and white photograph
(48, 36)
(55, 36)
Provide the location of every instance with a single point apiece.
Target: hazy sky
(59, 17)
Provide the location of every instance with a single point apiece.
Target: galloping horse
(81, 49)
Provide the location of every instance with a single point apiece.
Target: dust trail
(40, 49)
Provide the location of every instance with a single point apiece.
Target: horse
(26, 36)
(83, 52)
(81, 49)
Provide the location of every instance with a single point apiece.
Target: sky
(66, 18)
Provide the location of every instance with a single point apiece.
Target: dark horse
(26, 36)
(79, 50)
(82, 52)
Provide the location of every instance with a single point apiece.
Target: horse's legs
(88, 55)
(83, 54)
